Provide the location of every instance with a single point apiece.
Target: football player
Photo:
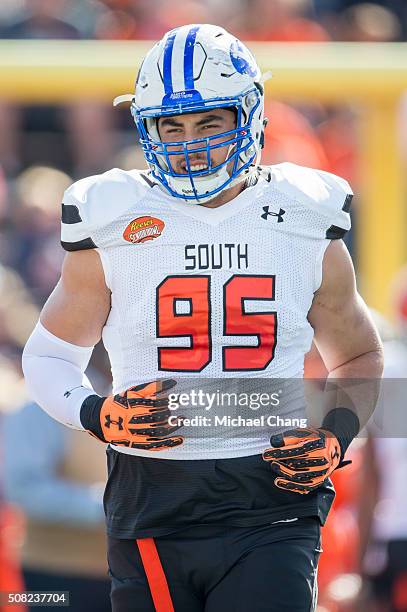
(203, 268)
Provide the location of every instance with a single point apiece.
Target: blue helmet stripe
(189, 58)
(167, 61)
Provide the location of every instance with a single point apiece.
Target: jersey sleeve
(336, 203)
(328, 196)
(93, 202)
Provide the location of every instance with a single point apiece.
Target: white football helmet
(195, 68)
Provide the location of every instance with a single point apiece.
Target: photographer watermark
(272, 420)
(207, 400)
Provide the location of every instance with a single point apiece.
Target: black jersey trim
(347, 203)
(335, 232)
(70, 214)
(79, 245)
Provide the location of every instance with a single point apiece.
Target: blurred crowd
(42, 150)
(283, 20)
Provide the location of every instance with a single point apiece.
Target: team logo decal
(143, 229)
(242, 60)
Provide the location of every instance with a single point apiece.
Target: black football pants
(269, 568)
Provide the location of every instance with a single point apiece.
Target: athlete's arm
(77, 309)
(59, 349)
(352, 352)
(345, 335)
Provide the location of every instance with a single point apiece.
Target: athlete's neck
(225, 196)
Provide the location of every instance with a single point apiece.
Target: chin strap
(177, 183)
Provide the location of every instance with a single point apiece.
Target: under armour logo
(279, 215)
(335, 454)
(68, 393)
(110, 421)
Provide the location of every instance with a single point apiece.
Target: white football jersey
(201, 293)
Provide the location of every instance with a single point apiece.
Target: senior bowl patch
(143, 229)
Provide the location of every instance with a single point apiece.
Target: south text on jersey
(216, 256)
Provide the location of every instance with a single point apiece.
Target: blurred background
(51, 515)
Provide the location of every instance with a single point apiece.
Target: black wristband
(344, 424)
(90, 415)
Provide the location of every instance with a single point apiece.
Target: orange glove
(136, 418)
(303, 458)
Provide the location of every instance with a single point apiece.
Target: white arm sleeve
(54, 374)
